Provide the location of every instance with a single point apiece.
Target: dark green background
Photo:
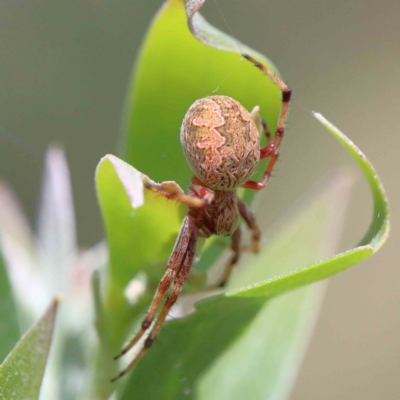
(64, 70)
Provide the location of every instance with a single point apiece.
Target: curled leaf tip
(378, 231)
(130, 178)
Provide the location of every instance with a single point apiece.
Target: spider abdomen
(221, 142)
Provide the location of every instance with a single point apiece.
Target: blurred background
(64, 71)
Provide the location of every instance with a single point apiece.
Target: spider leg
(272, 149)
(251, 223)
(235, 246)
(261, 124)
(266, 130)
(181, 257)
(171, 190)
(180, 279)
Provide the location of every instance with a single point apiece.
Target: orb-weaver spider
(220, 139)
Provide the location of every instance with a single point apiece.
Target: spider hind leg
(235, 246)
(251, 223)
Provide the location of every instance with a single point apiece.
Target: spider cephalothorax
(220, 139)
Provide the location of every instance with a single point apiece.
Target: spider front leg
(178, 269)
(272, 149)
(171, 190)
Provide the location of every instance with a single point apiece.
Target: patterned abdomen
(221, 142)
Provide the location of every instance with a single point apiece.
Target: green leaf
(22, 372)
(378, 231)
(9, 327)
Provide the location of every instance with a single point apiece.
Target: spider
(220, 140)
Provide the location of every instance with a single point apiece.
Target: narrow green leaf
(378, 231)
(9, 326)
(22, 372)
